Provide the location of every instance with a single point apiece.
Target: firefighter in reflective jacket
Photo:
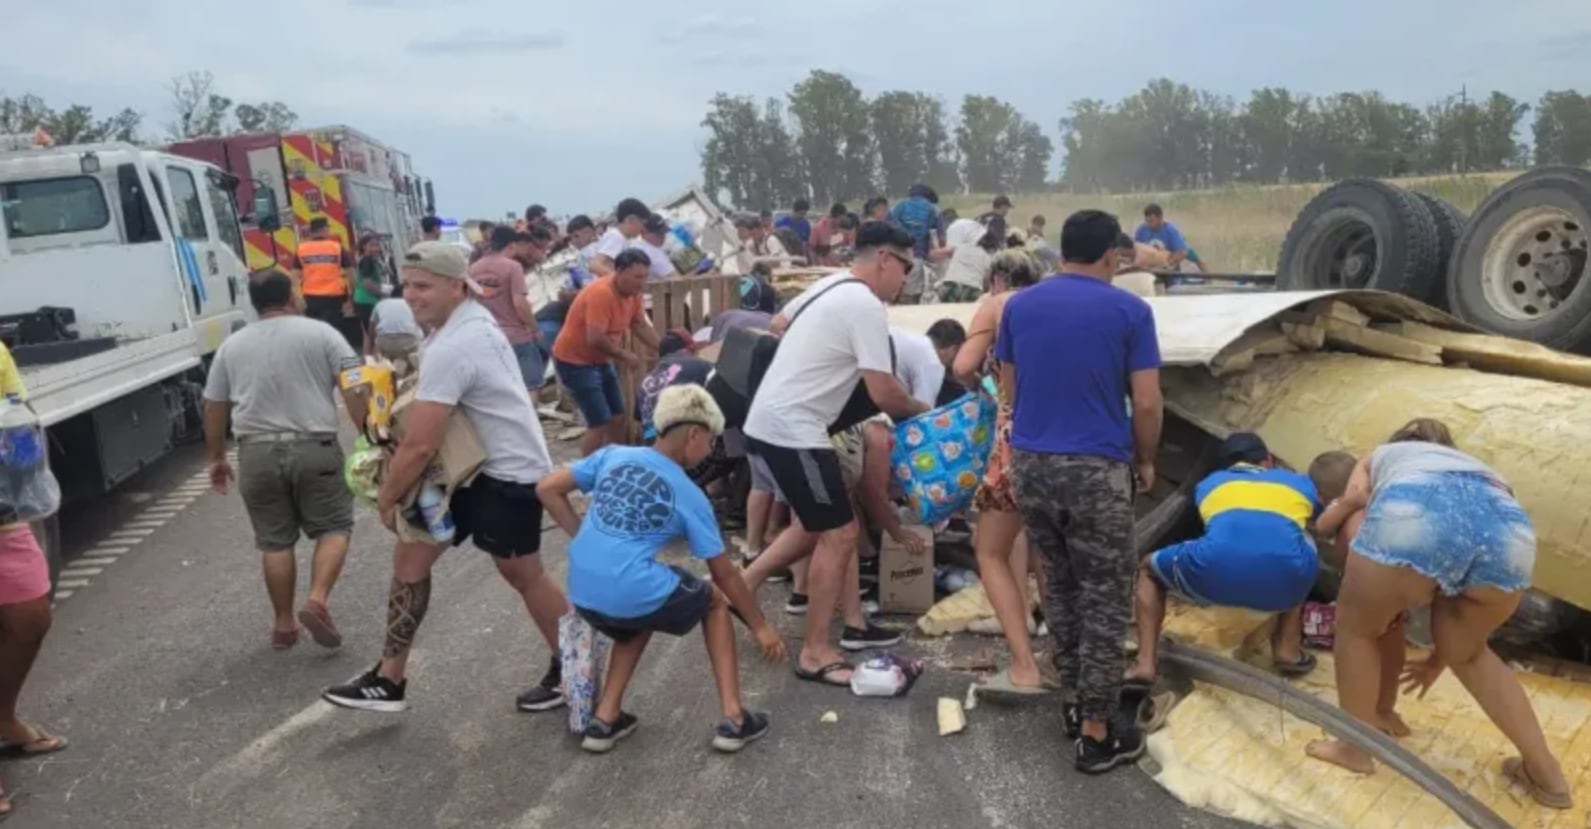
(325, 273)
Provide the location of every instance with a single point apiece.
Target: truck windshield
(49, 206)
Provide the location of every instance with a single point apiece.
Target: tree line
(197, 109)
(826, 141)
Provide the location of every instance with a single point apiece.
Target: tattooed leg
(406, 605)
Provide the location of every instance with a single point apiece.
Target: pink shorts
(24, 574)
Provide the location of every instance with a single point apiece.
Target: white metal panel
(123, 291)
(62, 390)
(1194, 329)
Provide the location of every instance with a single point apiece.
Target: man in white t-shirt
(821, 358)
(466, 365)
(628, 219)
(917, 364)
(653, 232)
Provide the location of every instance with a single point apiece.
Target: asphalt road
(180, 715)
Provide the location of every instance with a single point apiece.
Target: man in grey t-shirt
(467, 365)
(275, 379)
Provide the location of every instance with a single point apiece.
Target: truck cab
(121, 272)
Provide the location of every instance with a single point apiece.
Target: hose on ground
(1234, 676)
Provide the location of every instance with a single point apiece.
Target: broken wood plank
(1499, 355)
(1307, 336)
(1345, 334)
(1261, 341)
(1337, 309)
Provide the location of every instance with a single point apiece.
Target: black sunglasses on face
(905, 261)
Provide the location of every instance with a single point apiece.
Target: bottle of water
(20, 447)
(433, 510)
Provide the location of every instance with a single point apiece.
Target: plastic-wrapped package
(885, 675)
(28, 490)
(939, 456)
(584, 652)
(362, 470)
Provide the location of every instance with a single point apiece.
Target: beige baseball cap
(445, 260)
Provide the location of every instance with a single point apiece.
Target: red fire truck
(286, 179)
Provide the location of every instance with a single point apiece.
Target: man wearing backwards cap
(467, 364)
(1256, 552)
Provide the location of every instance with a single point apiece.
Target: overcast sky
(576, 103)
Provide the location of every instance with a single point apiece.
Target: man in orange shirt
(324, 271)
(592, 340)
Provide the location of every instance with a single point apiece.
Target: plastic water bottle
(433, 510)
(20, 447)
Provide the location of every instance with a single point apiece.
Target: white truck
(121, 272)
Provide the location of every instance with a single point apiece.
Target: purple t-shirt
(501, 279)
(1075, 341)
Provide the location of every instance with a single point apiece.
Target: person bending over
(641, 501)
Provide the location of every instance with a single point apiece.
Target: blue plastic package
(939, 456)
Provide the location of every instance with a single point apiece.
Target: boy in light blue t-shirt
(642, 499)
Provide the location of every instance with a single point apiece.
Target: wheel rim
(1534, 262)
(1342, 251)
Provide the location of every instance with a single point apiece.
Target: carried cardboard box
(905, 581)
(457, 460)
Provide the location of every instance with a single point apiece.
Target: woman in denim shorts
(1426, 524)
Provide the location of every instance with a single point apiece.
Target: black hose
(1243, 679)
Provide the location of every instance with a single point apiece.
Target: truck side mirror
(265, 211)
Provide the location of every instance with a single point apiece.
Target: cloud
(482, 42)
(712, 27)
(741, 57)
(1576, 45)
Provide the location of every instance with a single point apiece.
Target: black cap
(1243, 447)
(1002, 201)
(655, 223)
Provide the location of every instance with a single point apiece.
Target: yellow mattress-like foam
(1232, 754)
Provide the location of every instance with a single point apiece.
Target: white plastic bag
(28, 490)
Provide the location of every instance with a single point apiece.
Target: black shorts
(679, 614)
(504, 518)
(810, 481)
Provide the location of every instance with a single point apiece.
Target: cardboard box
(905, 581)
(461, 454)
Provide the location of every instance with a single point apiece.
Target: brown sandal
(42, 742)
(1514, 769)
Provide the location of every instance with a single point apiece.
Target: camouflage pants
(1079, 515)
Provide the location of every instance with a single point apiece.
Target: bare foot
(1027, 678)
(1339, 753)
(1391, 724)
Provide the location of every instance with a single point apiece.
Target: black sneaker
(1072, 719)
(370, 691)
(872, 636)
(797, 605)
(730, 738)
(601, 737)
(544, 695)
(1123, 744)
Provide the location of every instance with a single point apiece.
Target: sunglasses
(905, 261)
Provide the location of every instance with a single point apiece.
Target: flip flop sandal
(1135, 691)
(1295, 670)
(821, 675)
(6, 807)
(1514, 769)
(1000, 686)
(43, 743)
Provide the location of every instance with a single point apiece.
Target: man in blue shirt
(1256, 552)
(1074, 349)
(641, 501)
(919, 215)
(797, 221)
(1157, 231)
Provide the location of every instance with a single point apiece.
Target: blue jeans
(549, 335)
(532, 366)
(594, 388)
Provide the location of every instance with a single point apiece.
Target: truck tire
(1449, 226)
(48, 533)
(1361, 233)
(1520, 266)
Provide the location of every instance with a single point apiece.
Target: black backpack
(745, 358)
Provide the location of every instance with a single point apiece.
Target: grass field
(1235, 229)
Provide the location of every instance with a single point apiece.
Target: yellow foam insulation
(1536, 433)
(1238, 756)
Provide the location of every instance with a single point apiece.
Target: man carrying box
(467, 364)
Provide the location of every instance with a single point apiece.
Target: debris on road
(829, 718)
(951, 718)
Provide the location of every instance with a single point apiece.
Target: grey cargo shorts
(294, 486)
